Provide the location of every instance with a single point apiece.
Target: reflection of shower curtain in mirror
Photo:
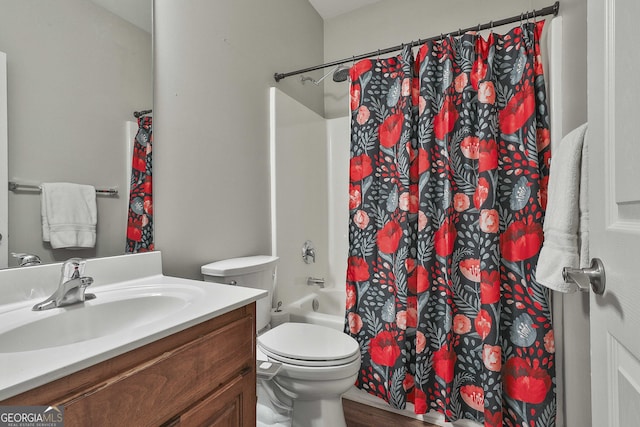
(140, 218)
(448, 179)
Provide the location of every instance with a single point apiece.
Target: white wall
(299, 195)
(392, 22)
(76, 73)
(214, 64)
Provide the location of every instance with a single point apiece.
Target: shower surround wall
(298, 194)
(310, 201)
(338, 215)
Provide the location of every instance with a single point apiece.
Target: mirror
(76, 72)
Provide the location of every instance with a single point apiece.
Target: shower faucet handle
(308, 252)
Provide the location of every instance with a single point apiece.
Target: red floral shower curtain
(140, 217)
(448, 178)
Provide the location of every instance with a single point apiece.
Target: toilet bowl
(317, 364)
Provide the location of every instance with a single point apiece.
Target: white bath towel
(566, 223)
(69, 215)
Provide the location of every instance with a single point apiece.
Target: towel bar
(17, 186)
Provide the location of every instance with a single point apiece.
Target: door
(614, 192)
(4, 201)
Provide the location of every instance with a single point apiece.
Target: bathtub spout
(312, 281)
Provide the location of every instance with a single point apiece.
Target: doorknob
(584, 277)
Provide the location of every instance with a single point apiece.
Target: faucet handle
(72, 268)
(308, 252)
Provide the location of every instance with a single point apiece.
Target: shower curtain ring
(459, 32)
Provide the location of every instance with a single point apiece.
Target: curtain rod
(549, 10)
(138, 114)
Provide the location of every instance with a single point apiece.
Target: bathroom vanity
(203, 375)
(195, 366)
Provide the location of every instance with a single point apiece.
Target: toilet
(316, 364)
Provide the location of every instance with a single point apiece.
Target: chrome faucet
(72, 286)
(27, 260)
(311, 281)
(308, 252)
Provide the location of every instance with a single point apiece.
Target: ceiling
(332, 8)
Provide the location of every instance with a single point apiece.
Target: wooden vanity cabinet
(202, 376)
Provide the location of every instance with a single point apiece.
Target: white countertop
(23, 370)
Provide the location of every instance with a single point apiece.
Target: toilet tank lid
(243, 265)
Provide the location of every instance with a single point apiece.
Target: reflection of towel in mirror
(69, 215)
(566, 233)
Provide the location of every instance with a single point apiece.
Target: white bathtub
(324, 307)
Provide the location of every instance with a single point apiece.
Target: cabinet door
(232, 405)
(161, 388)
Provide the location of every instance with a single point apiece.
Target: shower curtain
(448, 178)
(140, 217)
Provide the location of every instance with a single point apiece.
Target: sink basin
(112, 312)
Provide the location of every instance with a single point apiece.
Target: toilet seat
(310, 363)
(304, 344)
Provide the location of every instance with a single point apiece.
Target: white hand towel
(69, 215)
(566, 233)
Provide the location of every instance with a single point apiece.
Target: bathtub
(324, 307)
(327, 307)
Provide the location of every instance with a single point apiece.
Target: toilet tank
(256, 272)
